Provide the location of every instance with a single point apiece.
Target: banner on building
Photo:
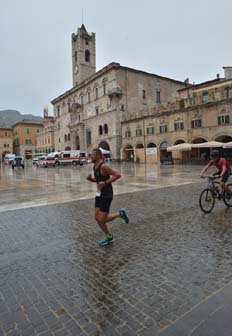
(45, 112)
(151, 151)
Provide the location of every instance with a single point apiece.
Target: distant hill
(10, 117)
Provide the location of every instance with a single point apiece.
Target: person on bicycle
(223, 170)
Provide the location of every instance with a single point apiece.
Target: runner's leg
(112, 217)
(101, 218)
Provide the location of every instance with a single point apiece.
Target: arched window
(106, 129)
(87, 56)
(100, 130)
(104, 81)
(65, 137)
(69, 137)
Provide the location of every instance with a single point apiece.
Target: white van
(9, 158)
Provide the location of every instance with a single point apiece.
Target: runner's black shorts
(224, 177)
(103, 203)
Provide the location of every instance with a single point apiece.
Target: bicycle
(213, 192)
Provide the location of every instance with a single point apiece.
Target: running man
(104, 176)
(223, 170)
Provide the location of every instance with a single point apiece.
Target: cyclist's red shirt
(220, 164)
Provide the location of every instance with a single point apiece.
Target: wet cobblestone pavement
(56, 280)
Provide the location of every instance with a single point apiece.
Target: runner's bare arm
(106, 170)
(90, 178)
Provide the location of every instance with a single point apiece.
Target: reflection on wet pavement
(40, 186)
(56, 280)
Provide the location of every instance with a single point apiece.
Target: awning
(227, 145)
(104, 151)
(208, 144)
(180, 147)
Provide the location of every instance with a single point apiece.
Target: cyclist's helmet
(215, 154)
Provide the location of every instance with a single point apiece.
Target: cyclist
(223, 170)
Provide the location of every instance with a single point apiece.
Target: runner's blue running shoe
(124, 215)
(107, 240)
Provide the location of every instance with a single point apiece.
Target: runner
(104, 176)
(223, 170)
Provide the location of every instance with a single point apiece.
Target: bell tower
(83, 55)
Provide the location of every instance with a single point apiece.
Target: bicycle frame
(213, 185)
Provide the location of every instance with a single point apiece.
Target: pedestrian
(104, 176)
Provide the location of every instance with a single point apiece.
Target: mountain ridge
(10, 117)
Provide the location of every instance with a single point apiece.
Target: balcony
(75, 107)
(115, 92)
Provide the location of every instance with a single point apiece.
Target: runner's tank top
(107, 191)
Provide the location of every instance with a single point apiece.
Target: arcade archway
(128, 153)
(104, 145)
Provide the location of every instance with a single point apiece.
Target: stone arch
(179, 141)
(139, 146)
(100, 130)
(106, 129)
(151, 145)
(163, 149)
(198, 140)
(128, 153)
(104, 145)
(67, 148)
(223, 138)
(104, 80)
(96, 85)
(164, 144)
(87, 56)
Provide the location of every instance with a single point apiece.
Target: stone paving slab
(56, 280)
(210, 318)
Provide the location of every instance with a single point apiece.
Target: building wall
(45, 139)
(209, 130)
(120, 97)
(24, 137)
(6, 140)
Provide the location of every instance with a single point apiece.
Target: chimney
(228, 72)
(218, 76)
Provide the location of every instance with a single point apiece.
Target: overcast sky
(173, 38)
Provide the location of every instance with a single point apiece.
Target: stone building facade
(6, 141)
(201, 113)
(93, 112)
(24, 137)
(45, 138)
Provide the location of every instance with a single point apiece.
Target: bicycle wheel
(228, 202)
(207, 200)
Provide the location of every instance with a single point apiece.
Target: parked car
(18, 162)
(166, 159)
